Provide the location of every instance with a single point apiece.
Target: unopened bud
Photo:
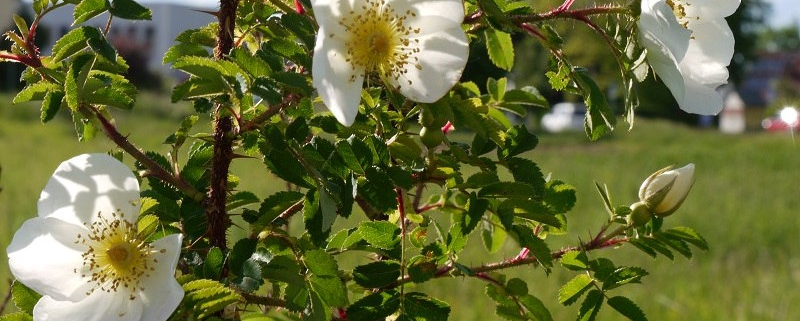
(664, 191)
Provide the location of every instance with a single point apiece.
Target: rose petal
(162, 293)
(88, 184)
(99, 306)
(431, 16)
(442, 58)
(336, 80)
(44, 256)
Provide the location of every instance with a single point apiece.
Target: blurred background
(745, 201)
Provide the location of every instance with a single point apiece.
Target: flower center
(378, 40)
(116, 256)
(679, 9)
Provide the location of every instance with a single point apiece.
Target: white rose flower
(415, 46)
(83, 252)
(689, 46)
(664, 191)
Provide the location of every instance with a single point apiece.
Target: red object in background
(787, 119)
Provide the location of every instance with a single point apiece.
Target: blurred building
(141, 43)
(771, 74)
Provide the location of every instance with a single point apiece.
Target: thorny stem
(262, 300)
(153, 168)
(289, 212)
(216, 214)
(260, 119)
(577, 14)
(561, 12)
(448, 270)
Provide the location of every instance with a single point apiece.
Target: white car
(564, 116)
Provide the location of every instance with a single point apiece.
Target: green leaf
(208, 296)
(321, 263)
(39, 5)
(179, 137)
(241, 252)
(622, 276)
(207, 67)
(627, 308)
(241, 199)
(129, 9)
(294, 82)
(288, 49)
(348, 155)
(508, 190)
(404, 148)
(537, 246)
(73, 42)
(644, 247)
(109, 96)
(83, 128)
(572, 290)
(212, 266)
(273, 206)
(327, 206)
(76, 79)
(378, 189)
(51, 104)
(500, 48)
(529, 210)
(575, 260)
(420, 307)
(24, 298)
(376, 274)
(687, 234)
(525, 96)
(560, 196)
(376, 306)
(558, 79)
(330, 289)
(600, 119)
(183, 49)
(249, 277)
(526, 171)
(35, 91)
(480, 179)
(422, 271)
(148, 223)
(517, 287)
(496, 88)
(253, 65)
(493, 235)
(18, 316)
(282, 268)
(88, 9)
(380, 234)
(591, 306)
(103, 48)
(676, 244)
(537, 311)
(494, 15)
(475, 209)
(518, 141)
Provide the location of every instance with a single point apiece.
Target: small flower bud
(664, 191)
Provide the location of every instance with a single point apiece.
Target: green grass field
(745, 202)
